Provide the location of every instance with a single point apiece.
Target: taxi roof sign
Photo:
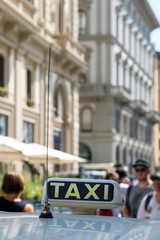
(85, 193)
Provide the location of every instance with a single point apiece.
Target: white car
(77, 193)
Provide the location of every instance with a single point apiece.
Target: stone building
(156, 93)
(28, 28)
(116, 94)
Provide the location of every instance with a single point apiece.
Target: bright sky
(155, 35)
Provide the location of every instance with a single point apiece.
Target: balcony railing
(69, 45)
(93, 90)
(121, 93)
(24, 6)
(154, 117)
(140, 107)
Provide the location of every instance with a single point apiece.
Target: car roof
(77, 194)
(28, 226)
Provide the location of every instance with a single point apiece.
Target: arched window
(59, 134)
(2, 66)
(58, 104)
(86, 119)
(82, 22)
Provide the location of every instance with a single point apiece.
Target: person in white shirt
(150, 204)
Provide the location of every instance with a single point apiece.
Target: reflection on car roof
(25, 226)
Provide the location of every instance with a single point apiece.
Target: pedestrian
(111, 175)
(124, 181)
(138, 189)
(150, 204)
(13, 186)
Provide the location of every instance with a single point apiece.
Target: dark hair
(12, 183)
(155, 176)
(121, 172)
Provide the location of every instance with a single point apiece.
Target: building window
(124, 156)
(118, 155)
(118, 120)
(61, 16)
(117, 71)
(59, 104)
(85, 152)
(136, 129)
(148, 135)
(60, 107)
(117, 24)
(56, 167)
(82, 78)
(3, 125)
(82, 22)
(86, 119)
(31, 1)
(142, 133)
(57, 140)
(132, 127)
(30, 101)
(130, 161)
(124, 32)
(29, 83)
(28, 132)
(125, 125)
(2, 65)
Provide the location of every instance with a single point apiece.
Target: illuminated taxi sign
(86, 193)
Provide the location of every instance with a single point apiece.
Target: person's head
(112, 176)
(12, 183)
(142, 169)
(123, 176)
(156, 181)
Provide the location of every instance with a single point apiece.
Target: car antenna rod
(46, 213)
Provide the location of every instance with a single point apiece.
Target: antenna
(46, 213)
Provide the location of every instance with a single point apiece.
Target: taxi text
(80, 191)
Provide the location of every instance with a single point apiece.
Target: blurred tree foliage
(33, 189)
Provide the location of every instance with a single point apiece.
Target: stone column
(19, 78)
(75, 123)
(11, 83)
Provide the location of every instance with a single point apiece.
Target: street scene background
(93, 104)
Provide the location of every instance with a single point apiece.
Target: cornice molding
(146, 13)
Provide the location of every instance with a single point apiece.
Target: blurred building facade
(156, 93)
(27, 30)
(116, 95)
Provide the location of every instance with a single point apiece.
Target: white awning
(99, 166)
(13, 150)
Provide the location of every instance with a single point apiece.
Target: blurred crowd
(141, 192)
